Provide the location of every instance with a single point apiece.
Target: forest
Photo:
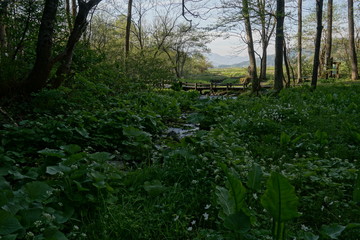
(101, 136)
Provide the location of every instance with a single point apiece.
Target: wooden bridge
(213, 87)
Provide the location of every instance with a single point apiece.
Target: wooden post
(195, 86)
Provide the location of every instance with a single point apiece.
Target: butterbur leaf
(130, 131)
(254, 177)
(332, 231)
(52, 153)
(236, 189)
(226, 203)
(8, 223)
(356, 192)
(29, 216)
(72, 148)
(9, 237)
(82, 132)
(54, 234)
(154, 188)
(310, 236)
(53, 170)
(101, 156)
(37, 191)
(284, 139)
(238, 221)
(280, 199)
(352, 226)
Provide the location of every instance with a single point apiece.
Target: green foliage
(103, 163)
(356, 192)
(254, 177)
(280, 199)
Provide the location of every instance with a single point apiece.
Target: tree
(328, 62)
(319, 13)
(299, 42)
(266, 32)
(352, 48)
(128, 27)
(3, 13)
(250, 46)
(39, 75)
(279, 45)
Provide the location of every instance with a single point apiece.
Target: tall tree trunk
(39, 75)
(352, 49)
(279, 45)
(128, 27)
(263, 63)
(287, 66)
(299, 57)
(68, 14)
(328, 62)
(264, 44)
(319, 13)
(78, 29)
(3, 15)
(74, 9)
(250, 46)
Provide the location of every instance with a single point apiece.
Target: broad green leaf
(52, 153)
(82, 132)
(310, 236)
(54, 234)
(284, 139)
(80, 188)
(352, 226)
(236, 189)
(29, 216)
(154, 188)
(356, 192)
(226, 203)
(8, 223)
(4, 184)
(37, 191)
(64, 215)
(280, 199)
(9, 237)
(101, 156)
(254, 177)
(237, 192)
(53, 170)
(130, 131)
(231, 200)
(238, 221)
(332, 231)
(72, 148)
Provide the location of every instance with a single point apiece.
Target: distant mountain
(217, 59)
(269, 61)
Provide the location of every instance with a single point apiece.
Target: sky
(232, 45)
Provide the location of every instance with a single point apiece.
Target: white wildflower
(193, 222)
(189, 228)
(255, 196)
(207, 206)
(206, 216)
(304, 228)
(176, 218)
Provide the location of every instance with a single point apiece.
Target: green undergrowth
(80, 165)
